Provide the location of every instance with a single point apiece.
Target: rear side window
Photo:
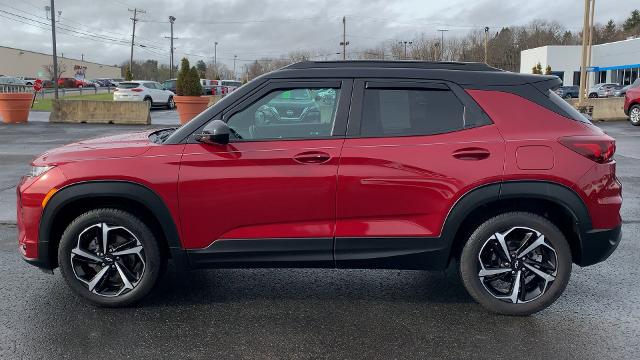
(128, 85)
(569, 110)
(406, 112)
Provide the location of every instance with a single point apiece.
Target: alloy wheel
(517, 265)
(634, 115)
(108, 259)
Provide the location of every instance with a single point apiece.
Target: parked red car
(411, 165)
(632, 105)
(72, 83)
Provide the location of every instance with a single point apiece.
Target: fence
(15, 88)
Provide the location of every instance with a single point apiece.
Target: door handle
(312, 157)
(471, 153)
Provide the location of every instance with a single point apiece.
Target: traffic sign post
(37, 86)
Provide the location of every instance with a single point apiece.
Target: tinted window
(397, 112)
(287, 114)
(567, 108)
(124, 85)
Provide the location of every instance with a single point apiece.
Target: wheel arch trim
(559, 194)
(109, 188)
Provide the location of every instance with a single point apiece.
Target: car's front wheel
(516, 263)
(634, 115)
(110, 257)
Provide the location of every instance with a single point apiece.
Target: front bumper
(598, 245)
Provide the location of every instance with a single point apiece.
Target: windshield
(567, 108)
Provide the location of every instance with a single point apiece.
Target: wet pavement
(342, 314)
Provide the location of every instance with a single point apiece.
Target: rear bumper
(598, 245)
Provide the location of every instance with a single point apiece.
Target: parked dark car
(414, 165)
(170, 85)
(568, 92)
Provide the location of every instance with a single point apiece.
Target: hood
(116, 146)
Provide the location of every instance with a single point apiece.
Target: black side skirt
(349, 253)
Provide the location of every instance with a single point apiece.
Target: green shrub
(188, 83)
(128, 76)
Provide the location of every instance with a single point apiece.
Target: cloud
(254, 29)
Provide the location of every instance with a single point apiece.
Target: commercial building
(17, 62)
(616, 62)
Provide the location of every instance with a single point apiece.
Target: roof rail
(412, 64)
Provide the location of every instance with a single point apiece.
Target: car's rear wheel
(148, 101)
(171, 104)
(634, 115)
(516, 263)
(593, 95)
(110, 257)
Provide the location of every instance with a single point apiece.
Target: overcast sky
(255, 29)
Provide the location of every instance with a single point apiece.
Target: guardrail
(15, 88)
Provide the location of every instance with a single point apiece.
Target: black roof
(403, 64)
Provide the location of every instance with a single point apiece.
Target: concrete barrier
(100, 112)
(604, 109)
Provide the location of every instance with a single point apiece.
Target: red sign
(37, 85)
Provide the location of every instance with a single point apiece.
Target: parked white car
(142, 90)
(11, 80)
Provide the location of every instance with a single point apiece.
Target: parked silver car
(10, 80)
(599, 90)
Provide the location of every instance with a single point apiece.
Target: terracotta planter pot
(14, 107)
(190, 106)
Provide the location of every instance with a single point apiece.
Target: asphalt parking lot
(344, 314)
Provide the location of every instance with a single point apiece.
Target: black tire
(149, 101)
(634, 115)
(171, 103)
(154, 262)
(593, 95)
(568, 96)
(470, 263)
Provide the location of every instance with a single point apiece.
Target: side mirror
(216, 132)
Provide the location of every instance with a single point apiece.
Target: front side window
(406, 112)
(301, 113)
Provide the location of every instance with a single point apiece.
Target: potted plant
(15, 101)
(189, 99)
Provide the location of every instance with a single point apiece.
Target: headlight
(39, 170)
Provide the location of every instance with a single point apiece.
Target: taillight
(136, 90)
(597, 148)
(116, 89)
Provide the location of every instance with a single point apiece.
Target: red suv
(632, 105)
(408, 165)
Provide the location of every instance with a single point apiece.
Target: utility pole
(55, 56)
(234, 67)
(442, 31)
(133, 34)
(171, 21)
(344, 42)
(593, 5)
(486, 44)
(405, 47)
(585, 42)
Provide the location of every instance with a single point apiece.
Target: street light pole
(234, 67)
(171, 20)
(405, 47)
(442, 31)
(486, 44)
(215, 57)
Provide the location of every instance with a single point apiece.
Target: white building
(616, 62)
